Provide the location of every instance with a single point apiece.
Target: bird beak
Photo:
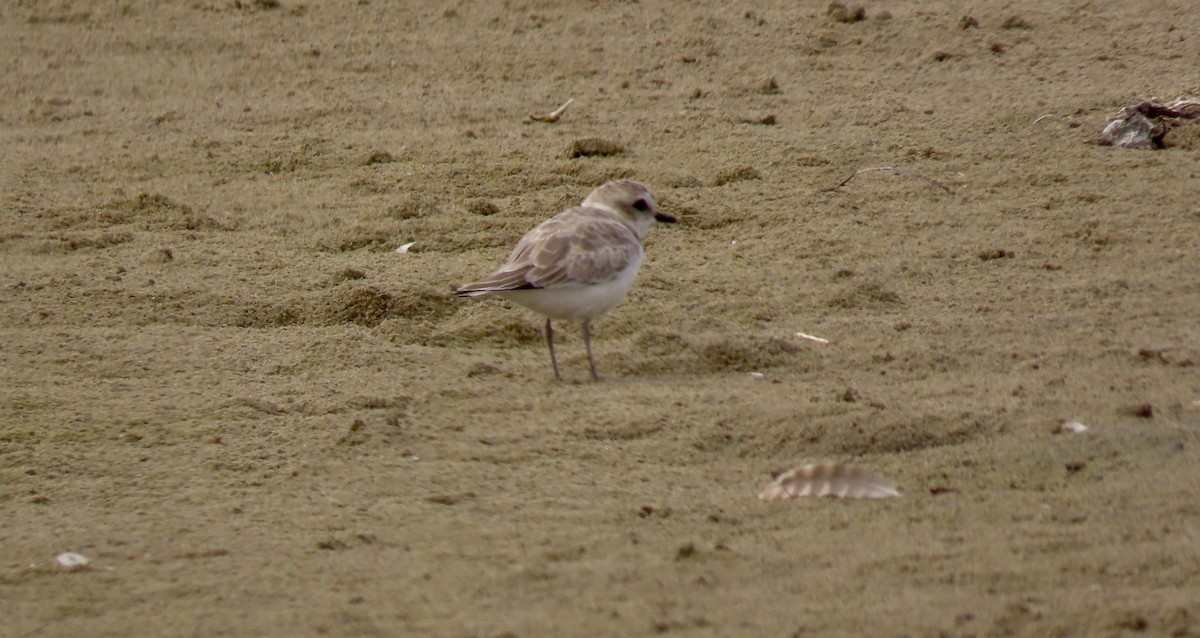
(665, 218)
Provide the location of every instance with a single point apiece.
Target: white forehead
(619, 192)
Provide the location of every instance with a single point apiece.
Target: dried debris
(1145, 125)
(992, 254)
(839, 12)
(552, 116)
(1016, 22)
(835, 480)
(762, 120)
(743, 173)
(378, 157)
(1074, 427)
(769, 87)
(482, 207)
(72, 561)
(594, 147)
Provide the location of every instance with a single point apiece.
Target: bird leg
(587, 341)
(550, 343)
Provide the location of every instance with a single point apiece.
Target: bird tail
(499, 281)
(468, 290)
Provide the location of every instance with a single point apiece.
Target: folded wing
(579, 247)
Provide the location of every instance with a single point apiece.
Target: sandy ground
(221, 384)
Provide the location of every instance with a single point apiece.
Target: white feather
(836, 480)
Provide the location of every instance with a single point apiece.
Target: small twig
(331, 499)
(892, 169)
(552, 116)
(1043, 117)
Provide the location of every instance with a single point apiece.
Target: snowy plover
(579, 263)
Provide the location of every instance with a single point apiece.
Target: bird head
(630, 200)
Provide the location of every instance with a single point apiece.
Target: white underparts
(577, 301)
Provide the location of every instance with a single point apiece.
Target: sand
(222, 385)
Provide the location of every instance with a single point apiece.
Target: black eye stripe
(641, 205)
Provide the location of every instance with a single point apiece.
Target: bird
(580, 263)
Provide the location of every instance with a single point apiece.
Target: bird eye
(641, 205)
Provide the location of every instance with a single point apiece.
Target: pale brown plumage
(579, 246)
(579, 263)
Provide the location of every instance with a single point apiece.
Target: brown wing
(578, 246)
